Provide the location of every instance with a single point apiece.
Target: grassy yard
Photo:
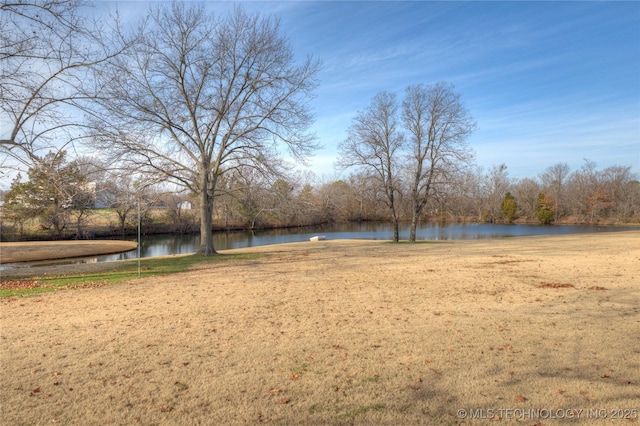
(337, 332)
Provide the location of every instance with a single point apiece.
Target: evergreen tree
(546, 214)
(509, 207)
(55, 188)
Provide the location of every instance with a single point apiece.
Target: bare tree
(374, 142)
(554, 179)
(47, 51)
(178, 212)
(526, 192)
(121, 193)
(200, 95)
(363, 197)
(438, 126)
(495, 185)
(249, 190)
(614, 181)
(582, 183)
(465, 197)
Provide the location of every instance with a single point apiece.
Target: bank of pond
(170, 244)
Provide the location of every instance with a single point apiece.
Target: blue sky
(547, 82)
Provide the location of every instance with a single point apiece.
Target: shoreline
(34, 251)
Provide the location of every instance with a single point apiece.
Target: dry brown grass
(52, 250)
(338, 332)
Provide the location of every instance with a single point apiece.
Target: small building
(185, 205)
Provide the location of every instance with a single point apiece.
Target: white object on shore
(318, 238)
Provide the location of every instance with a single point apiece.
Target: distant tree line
(585, 196)
(62, 198)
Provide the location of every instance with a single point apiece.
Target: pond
(161, 245)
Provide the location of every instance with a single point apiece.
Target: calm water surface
(161, 245)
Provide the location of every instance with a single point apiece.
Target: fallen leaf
(417, 380)
(335, 347)
(275, 390)
(556, 285)
(520, 398)
(284, 401)
(181, 386)
(20, 285)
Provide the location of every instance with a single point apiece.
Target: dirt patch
(597, 287)
(556, 285)
(338, 332)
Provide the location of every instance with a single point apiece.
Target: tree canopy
(49, 50)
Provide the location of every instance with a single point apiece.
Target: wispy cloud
(546, 81)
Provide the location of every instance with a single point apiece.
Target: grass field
(340, 332)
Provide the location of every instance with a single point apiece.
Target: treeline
(557, 195)
(68, 199)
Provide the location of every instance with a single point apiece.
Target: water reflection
(161, 245)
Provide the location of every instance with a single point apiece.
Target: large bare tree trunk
(415, 201)
(414, 225)
(394, 214)
(206, 220)
(396, 230)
